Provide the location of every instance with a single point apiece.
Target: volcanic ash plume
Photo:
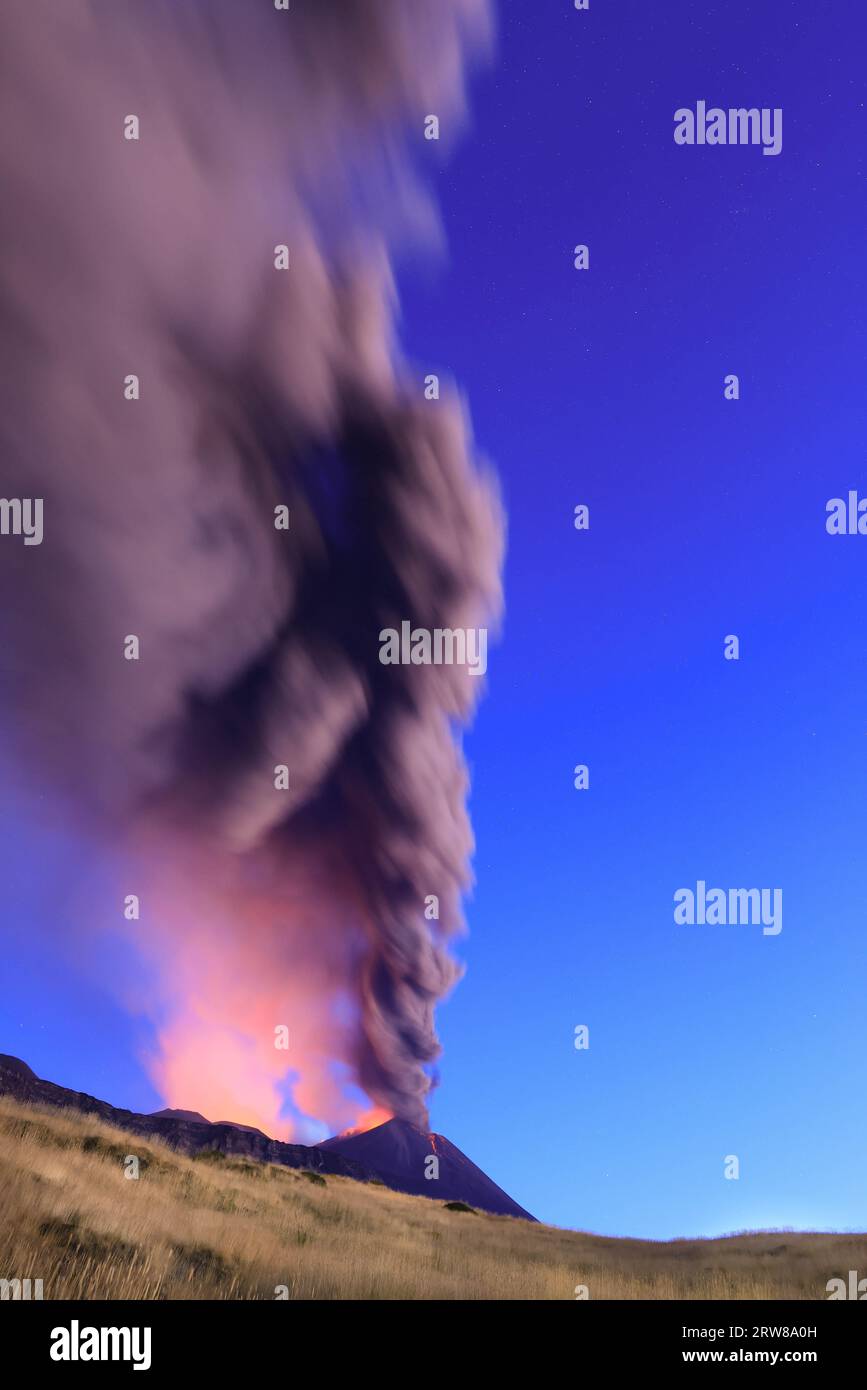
(260, 388)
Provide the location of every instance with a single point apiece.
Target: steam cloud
(258, 647)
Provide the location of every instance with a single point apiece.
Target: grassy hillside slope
(218, 1228)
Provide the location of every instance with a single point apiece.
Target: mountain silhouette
(395, 1154)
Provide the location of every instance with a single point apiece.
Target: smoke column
(259, 388)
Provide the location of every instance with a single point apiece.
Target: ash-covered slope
(398, 1153)
(193, 1115)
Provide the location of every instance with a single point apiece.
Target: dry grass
(227, 1229)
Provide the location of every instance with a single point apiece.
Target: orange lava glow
(371, 1119)
(232, 967)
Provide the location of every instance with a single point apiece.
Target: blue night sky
(707, 517)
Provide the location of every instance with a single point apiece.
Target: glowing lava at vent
(371, 1119)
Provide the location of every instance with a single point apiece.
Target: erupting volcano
(399, 1154)
(244, 485)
